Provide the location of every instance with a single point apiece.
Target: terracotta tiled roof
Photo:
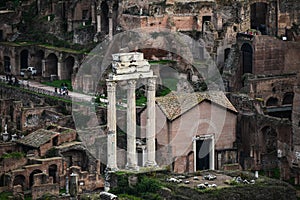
(37, 138)
(175, 104)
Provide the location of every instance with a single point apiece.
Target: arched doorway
(104, 17)
(39, 61)
(247, 58)
(51, 65)
(7, 65)
(259, 17)
(52, 171)
(24, 59)
(288, 98)
(68, 69)
(272, 101)
(31, 177)
(19, 180)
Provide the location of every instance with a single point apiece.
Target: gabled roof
(37, 138)
(175, 104)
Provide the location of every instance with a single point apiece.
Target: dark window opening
(247, 58)
(288, 99)
(259, 17)
(85, 14)
(272, 101)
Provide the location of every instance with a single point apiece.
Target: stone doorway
(204, 153)
(24, 59)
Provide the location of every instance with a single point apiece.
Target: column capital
(131, 83)
(111, 86)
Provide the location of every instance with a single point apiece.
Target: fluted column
(112, 127)
(150, 128)
(131, 126)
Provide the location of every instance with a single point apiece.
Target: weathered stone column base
(132, 167)
(151, 164)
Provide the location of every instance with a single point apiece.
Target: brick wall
(204, 119)
(40, 190)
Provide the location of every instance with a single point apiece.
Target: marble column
(98, 23)
(93, 14)
(112, 127)
(131, 126)
(110, 33)
(150, 127)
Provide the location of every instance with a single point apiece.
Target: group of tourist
(63, 90)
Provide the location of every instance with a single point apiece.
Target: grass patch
(13, 155)
(5, 195)
(58, 84)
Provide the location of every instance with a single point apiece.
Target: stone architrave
(150, 127)
(112, 127)
(131, 126)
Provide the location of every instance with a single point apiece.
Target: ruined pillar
(131, 126)
(60, 72)
(93, 14)
(112, 127)
(98, 23)
(110, 33)
(44, 74)
(150, 128)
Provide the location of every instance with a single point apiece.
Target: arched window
(272, 101)
(288, 98)
(247, 58)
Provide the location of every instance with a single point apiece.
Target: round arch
(272, 101)
(51, 65)
(68, 69)
(40, 55)
(31, 177)
(288, 98)
(247, 56)
(19, 180)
